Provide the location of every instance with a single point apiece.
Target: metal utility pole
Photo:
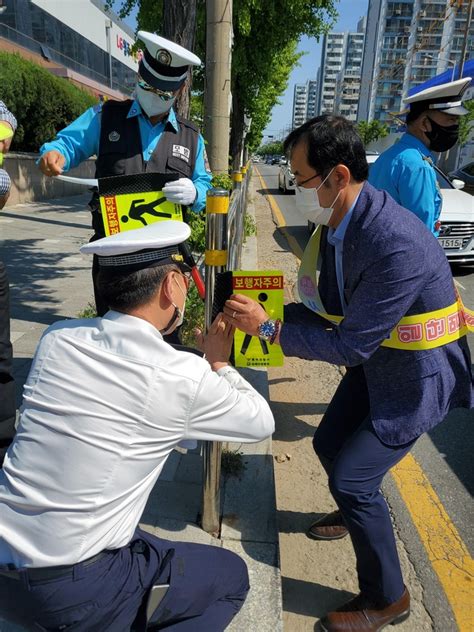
(466, 36)
(217, 93)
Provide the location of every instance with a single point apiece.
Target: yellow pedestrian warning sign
(266, 287)
(134, 201)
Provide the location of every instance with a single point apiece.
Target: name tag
(181, 152)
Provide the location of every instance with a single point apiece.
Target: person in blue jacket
(406, 169)
(375, 264)
(139, 135)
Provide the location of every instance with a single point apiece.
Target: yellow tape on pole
(218, 204)
(237, 176)
(215, 257)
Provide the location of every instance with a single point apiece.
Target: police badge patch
(114, 136)
(181, 152)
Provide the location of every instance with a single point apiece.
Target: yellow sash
(413, 333)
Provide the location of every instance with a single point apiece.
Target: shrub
(42, 103)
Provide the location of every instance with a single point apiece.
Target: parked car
(466, 174)
(286, 180)
(275, 160)
(456, 234)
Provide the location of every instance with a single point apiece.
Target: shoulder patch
(207, 166)
(186, 123)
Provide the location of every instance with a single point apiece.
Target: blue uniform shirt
(80, 140)
(336, 239)
(406, 172)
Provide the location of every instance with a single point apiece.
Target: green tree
(466, 123)
(271, 149)
(371, 131)
(265, 39)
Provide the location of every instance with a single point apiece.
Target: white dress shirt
(105, 403)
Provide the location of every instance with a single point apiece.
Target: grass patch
(232, 463)
(88, 312)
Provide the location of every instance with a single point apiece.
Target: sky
(350, 11)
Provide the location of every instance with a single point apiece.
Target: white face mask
(307, 201)
(178, 315)
(152, 104)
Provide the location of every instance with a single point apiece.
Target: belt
(52, 572)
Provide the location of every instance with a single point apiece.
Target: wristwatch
(266, 330)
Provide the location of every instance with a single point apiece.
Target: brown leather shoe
(362, 615)
(329, 527)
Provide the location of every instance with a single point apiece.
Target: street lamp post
(108, 28)
(450, 61)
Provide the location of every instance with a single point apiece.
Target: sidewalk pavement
(50, 280)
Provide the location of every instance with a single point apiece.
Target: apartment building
(408, 42)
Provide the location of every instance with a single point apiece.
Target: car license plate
(446, 242)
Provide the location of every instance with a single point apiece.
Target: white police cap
(156, 244)
(446, 98)
(164, 64)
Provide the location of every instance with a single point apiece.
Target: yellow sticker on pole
(134, 201)
(266, 287)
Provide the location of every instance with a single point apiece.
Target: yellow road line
(292, 242)
(446, 550)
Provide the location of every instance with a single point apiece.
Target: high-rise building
(312, 97)
(300, 104)
(408, 42)
(304, 102)
(340, 71)
(332, 61)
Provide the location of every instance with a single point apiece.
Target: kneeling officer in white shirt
(105, 403)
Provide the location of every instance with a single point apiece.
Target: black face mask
(442, 138)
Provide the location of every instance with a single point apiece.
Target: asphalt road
(445, 457)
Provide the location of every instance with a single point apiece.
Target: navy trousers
(207, 587)
(7, 385)
(356, 462)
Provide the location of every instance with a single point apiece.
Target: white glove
(180, 191)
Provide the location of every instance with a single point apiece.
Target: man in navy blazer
(378, 263)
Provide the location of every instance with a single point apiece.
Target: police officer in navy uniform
(105, 403)
(406, 169)
(141, 135)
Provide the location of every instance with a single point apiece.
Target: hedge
(42, 103)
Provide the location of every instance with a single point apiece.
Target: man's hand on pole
(52, 163)
(180, 191)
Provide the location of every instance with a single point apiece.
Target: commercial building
(74, 39)
(340, 72)
(408, 42)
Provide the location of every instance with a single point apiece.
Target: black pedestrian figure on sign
(137, 210)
